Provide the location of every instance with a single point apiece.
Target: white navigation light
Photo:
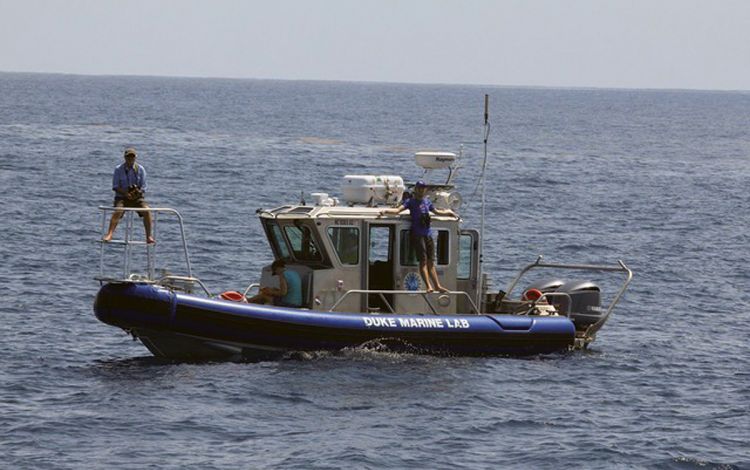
(435, 160)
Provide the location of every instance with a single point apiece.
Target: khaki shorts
(136, 203)
(425, 248)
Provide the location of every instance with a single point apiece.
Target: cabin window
(380, 244)
(277, 241)
(465, 257)
(442, 247)
(302, 242)
(345, 241)
(408, 255)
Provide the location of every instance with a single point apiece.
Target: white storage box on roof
(373, 190)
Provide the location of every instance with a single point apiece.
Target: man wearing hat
(420, 207)
(129, 185)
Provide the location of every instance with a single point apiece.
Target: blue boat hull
(181, 326)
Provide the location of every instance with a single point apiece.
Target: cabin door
(467, 276)
(379, 265)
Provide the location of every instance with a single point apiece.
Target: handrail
(292, 216)
(279, 215)
(423, 293)
(161, 281)
(150, 248)
(583, 267)
(254, 284)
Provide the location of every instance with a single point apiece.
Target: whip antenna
(486, 113)
(481, 181)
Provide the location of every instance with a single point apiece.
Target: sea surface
(659, 179)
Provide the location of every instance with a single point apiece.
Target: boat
(360, 286)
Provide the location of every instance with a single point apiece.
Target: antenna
(486, 113)
(482, 180)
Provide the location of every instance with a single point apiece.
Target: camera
(134, 192)
(425, 219)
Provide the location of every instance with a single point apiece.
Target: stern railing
(581, 267)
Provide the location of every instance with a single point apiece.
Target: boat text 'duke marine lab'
(350, 273)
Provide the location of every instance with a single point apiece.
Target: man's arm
(143, 179)
(393, 210)
(447, 212)
(277, 291)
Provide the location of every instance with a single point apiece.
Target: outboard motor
(586, 302)
(585, 298)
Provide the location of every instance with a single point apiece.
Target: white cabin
(338, 248)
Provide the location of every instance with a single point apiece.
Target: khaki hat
(130, 151)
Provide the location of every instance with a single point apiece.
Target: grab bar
(423, 293)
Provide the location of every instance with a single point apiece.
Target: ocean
(658, 179)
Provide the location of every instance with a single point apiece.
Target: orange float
(233, 295)
(532, 295)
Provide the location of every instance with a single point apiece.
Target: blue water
(657, 178)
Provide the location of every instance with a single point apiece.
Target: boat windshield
(294, 240)
(276, 238)
(302, 242)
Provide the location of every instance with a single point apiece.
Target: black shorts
(137, 203)
(425, 248)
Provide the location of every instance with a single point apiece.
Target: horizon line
(507, 86)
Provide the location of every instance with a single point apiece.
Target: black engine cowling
(585, 299)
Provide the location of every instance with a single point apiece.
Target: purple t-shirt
(417, 207)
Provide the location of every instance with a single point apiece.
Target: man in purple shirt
(129, 185)
(420, 207)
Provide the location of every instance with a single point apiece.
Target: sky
(681, 44)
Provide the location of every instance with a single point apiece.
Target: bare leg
(113, 225)
(434, 275)
(147, 225)
(425, 276)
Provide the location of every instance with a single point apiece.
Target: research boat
(360, 286)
